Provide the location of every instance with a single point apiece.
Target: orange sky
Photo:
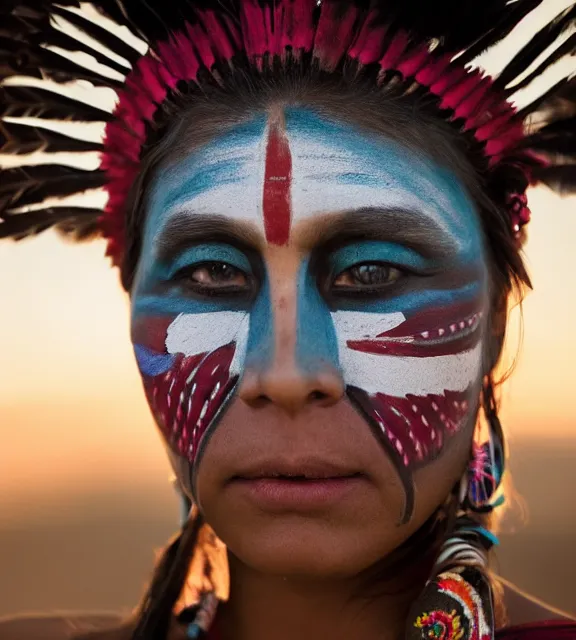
(71, 408)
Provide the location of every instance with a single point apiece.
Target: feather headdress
(142, 50)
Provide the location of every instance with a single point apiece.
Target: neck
(265, 607)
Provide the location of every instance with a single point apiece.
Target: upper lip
(305, 468)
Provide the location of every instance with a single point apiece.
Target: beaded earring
(480, 485)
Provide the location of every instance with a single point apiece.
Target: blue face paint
(260, 347)
(338, 167)
(316, 342)
(376, 251)
(151, 363)
(409, 303)
(220, 178)
(205, 253)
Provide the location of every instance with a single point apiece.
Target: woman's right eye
(214, 276)
(218, 274)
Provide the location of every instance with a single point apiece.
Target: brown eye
(218, 274)
(369, 274)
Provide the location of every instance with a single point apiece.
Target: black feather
(81, 227)
(564, 127)
(23, 51)
(79, 221)
(537, 45)
(145, 20)
(61, 69)
(567, 48)
(16, 28)
(115, 11)
(561, 179)
(510, 18)
(19, 139)
(548, 99)
(102, 35)
(35, 61)
(15, 59)
(28, 185)
(64, 41)
(32, 102)
(456, 23)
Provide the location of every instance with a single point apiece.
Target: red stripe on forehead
(276, 199)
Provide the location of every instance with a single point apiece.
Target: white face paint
(333, 169)
(404, 375)
(410, 356)
(194, 333)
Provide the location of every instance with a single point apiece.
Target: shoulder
(531, 619)
(56, 626)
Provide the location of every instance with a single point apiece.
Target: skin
(308, 295)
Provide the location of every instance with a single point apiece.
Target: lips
(188, 396)
(436, 332)
(281, 486)
(295, 470)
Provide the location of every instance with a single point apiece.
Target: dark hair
(191, 117)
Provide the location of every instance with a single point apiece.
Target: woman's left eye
(217, 274)
(368, 275)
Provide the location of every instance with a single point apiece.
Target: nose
(294, 364)
(284, 385)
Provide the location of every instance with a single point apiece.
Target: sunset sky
(72, 413)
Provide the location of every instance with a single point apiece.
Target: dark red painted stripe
(277, 186)
(417, 349)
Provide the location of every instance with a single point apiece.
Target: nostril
(317, 395)
(260, 401)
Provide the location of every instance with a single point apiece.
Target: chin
(300, 547)
(305, 551)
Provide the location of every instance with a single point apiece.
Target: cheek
(415, 377)
(190, 364)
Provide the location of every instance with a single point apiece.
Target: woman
(317, 209)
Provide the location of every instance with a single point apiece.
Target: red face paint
(187, 398)
(276, 199)
(186, 393)
(437, 332)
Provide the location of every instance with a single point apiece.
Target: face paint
(276, 197)
(415, 381)
(410, 357)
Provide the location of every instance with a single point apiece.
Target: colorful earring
(484, 475)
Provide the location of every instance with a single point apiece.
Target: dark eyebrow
(406, 226)
(185, 230)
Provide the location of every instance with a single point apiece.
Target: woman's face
(308, 317)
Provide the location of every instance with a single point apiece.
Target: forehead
(312, 166)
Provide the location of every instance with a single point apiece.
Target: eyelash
(184, 278)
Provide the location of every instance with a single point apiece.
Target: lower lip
(296, 495)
